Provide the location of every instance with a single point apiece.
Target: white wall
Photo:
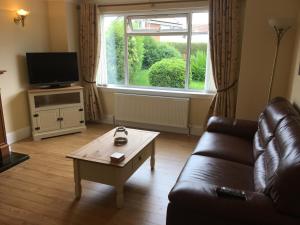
(15, 41)
(256, 61)
(257, 55)
(294, 90)
(63, 25)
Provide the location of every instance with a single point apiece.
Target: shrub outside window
(155, 51)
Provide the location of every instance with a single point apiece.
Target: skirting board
(107, 119)
(194, 130)
(23, 133)
(18, 135)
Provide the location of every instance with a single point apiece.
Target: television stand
(56, 111)
(59, 86)
(52, 86)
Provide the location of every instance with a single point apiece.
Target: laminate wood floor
(40, 191)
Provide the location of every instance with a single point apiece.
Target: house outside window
(160, 51)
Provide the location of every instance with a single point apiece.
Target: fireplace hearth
(13, 159)
(8, 159)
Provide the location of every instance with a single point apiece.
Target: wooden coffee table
(92, 161)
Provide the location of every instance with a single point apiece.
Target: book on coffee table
(117, 157)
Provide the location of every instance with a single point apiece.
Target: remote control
(230, 192)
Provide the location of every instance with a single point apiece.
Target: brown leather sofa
(262, 158)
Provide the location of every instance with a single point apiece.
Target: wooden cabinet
(56, 111)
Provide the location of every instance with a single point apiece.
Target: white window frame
(209, 86)
(152, 33)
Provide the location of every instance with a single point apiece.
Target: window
(156, 51)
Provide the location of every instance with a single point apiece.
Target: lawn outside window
(156, 51)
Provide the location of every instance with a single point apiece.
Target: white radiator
(153, 110)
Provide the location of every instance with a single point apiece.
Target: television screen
(53, 68)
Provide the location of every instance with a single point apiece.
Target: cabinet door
(47, 120)
(71, 117)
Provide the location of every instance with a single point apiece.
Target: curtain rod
(145, 3)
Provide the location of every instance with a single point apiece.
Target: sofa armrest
(235, 127)
(203, 200)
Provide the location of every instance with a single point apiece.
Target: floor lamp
(280, 26)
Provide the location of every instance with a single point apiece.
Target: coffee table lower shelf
(111, 174)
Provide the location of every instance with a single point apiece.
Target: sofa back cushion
(269, 119)
(282, 161)
(260, 174)
(276, 148)
(262, 137)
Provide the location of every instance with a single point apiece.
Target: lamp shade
(22, 12)
(281, 23)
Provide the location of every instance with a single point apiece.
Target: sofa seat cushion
(225, 147)
(193, 204)
(219, 172)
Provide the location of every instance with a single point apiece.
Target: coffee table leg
(77, 179)
(120, 196)
(152, 160)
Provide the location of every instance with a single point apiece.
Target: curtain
(89, 59)
(225, 47)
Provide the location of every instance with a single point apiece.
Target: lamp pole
(279, 35)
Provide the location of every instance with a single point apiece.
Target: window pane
(157, 24)
(114, 38)
(198, 59)
(157, 61)
(200, 23)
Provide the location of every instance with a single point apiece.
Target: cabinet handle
(60, 119)
(36, 115)
(82, 121)
(37, 128)
(80, 110)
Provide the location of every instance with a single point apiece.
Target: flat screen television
(52, 68)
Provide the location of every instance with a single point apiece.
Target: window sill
(156, 92)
